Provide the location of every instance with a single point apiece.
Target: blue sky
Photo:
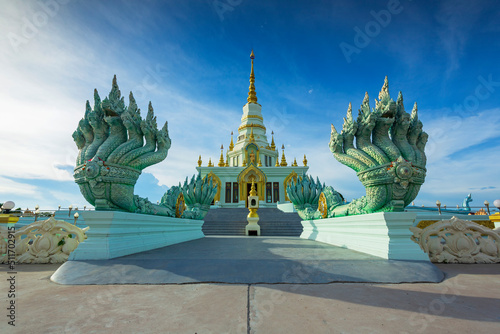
(191, 59)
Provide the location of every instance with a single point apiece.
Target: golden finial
(252, 138)
(221, 160)
(277, 161)
(305, 160)
(244, 163)
(294, 162)
(199, 161)
(259, 164)
(273, 146)
(283, 159)
(231, 145)
(252, 96)
(227, 162)
(210, 162)
(253, 192)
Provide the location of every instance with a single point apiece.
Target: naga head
(336, 141)
(79, 139)
(349, 127)
(132, 116)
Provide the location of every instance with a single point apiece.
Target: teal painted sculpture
(388, 157)
(466, 201)
(115, 144)
(304, 193)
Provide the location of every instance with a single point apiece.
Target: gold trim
(251, 125)
(322, 206)
(252, 116)
(215, 179)
(180, 206)
(287, 180)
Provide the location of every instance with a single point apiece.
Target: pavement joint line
(248, 308)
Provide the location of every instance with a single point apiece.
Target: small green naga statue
(388, 157)
(115, 144)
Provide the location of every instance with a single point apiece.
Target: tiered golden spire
(252, 96)
(294, 162)
(210, 164)
(273, 146)
(283, 159)
(221, 160)
(277, 161)
(231, 145)
(305, 160)
(199, 161)
(227, 161)
(259, 163)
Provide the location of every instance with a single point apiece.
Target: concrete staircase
(273, 222)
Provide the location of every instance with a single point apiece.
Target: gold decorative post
(199, 161)
(259, 163)
(253, 217)
(252, 138)
(273, 146)
(210, 164)
(231, 145)
(252, 95)
(221, 160)
(294, 162)
(305, 160)
(283, 159)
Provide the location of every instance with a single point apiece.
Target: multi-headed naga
(388, 157)
(385, 146)
(115, 144)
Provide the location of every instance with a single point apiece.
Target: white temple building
(251, 158)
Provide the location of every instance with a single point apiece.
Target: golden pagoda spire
(283, 159)
(210, 164)
(259, 163)
(252, 96)
(231, 145)
(305, 160)
(277, 161)
(273, 146)
(227, 161)
(199, 161)
(253, 191)
(294, 162)
(221, 160)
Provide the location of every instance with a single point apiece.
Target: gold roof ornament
(221, 160)
(259, 163)
(305, 160)
(253, 192)
(231, 145)
(210, 164)
(252, 138)
(227, 162)
(283, 159)
(199, 161)
(252, 96)
(277, 161)
(294, 162)
(244, 163)
(273, 146)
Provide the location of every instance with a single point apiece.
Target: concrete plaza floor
(466, 301)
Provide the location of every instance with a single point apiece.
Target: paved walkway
(247, 260)
(467, 301)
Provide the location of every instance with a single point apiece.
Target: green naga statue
(388, 157)
(115, 144)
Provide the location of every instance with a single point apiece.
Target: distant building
(252, 158)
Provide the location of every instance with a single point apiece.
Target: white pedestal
(383, 234)
(113, 234)
(252, 225)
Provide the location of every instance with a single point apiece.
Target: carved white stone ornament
(48, 241)
(458, 241)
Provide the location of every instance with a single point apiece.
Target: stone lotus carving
(115, 144)
(458, 241)
(388, 157)
(48, 241)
